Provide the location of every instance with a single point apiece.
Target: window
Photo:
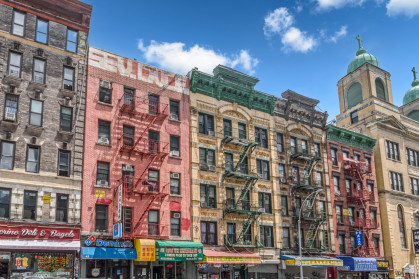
(127, 211)
(128, 172)
(38, 71)
(336, 185)
(345, 154)
(266, 236)
(229, 164)
(102, 176)
(18, 27)
(317, 150)
(128, 132)
(348, 183)
(354, 117)
(231, 233)
(104, 133)
(15, 61)
(247, 236)
(263, 169)
(373, 214)
(356, 156)
(396, 181)
(284, 206)
(297, 206)
(32, 159)
(174, 110)
(242, 131)
(35, 116)
(153, 222)
(129, 97)
(414, 186)
(281, 170)
(322, 209)
(229, 198)
(227, 128)
(334, 153)
(342, 243)
(206, 159)
(174, 223)
(64, 163)
(286, 238)
(265, 203)
(280, 142)
(29, 205)
(153, 141)
(339, 214)
(10, 108)
(401, 226)
(209, 233)
(319, 178)
(174, 146)
(206, 124)
(412, 157)
(296, 174)
(101, 218)
(66, 119)
(352, 241)
(304, 146)
(293, 145)
(261, 137)
(244, 166)
(153, 180)
(153, 104)
(7, 155)
(392, 149)
(105, 93)
(71, 40)
(41, 30)
(208, 197)
(5, 203)
(62, 208)
(175, 183)
(376, 240)
(68, 79)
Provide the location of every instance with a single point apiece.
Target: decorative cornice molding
(350, 138)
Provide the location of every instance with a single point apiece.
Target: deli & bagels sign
(36, 232)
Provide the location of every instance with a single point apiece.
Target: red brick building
(136, 168)
(354, 196)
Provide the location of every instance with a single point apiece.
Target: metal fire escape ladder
(310, 162)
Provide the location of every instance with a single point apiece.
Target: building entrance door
(158, 272)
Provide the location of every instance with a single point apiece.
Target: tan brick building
(366, 106)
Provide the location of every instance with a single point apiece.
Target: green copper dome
(413, 93)
(361, 58)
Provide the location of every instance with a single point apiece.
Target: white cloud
(408, 8)
(180, 59)
(277, 21)
(337, 4)
(338, 34)
(296, 40)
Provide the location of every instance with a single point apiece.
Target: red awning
(103, 201)
(227, 257)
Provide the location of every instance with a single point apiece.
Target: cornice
(350, 138)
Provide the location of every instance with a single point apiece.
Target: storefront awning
(293, 260)
(108, 253)
(146, 249)
(179, 251)
(49, 245)
(227, 257)
(359, 264)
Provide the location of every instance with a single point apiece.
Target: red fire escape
(149, 151)
(361, 196)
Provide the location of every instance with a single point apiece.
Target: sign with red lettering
(39, 232)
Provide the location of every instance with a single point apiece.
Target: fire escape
(361, 196)
(242, 204)
(309, 216)
(146, 147)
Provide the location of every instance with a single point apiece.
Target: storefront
(226, 265)
(268, 269)
(357, 268)
(39, 251)
(383, 269)
(313, 267)
(102, 258)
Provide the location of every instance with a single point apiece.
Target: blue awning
(108, 253)
(359, 264)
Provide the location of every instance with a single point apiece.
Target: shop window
(228, 130)
(209, 233)
(280, 142)
(261, 137)
(64, 158)
(266, 236)
(101, 218)
(231, 233)
(174, 146)
(29, 205)
(127, 220)
(396, 181)
(153, 222)
(206, 124)
(242, 131)
(35, 116)
(61, 214)
(41, 31)
(265, 204)
(104, 133)
(286, 238)
(32, 159)
(71, 40)
(7, 155)
(175, 183)
(68, 79)
(174, 110)
(5, 196)
(31, 265)
(263, 169)
(105, 92)
(208, 196)
(38, 71)
(153, 104)
(284, 205)
(11, 108)
(175, 223)
(334, 155)
(18, 27)
(102, 176)
(207, 159)
(392, 150)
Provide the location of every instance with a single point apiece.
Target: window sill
(9, 123)
(207, 207)
(211, 136)
(394, 160)
(175, 120)
(104, 104)
(176, 195)
(175, 157)
(67, 92)
(102, 186)
(36, 85)
(34, 128)
(103, 144)
(65, 133)
(15, 81)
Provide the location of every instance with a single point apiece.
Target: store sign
(345, 212)
(117, 231)
(314, 262)
(359, 240)
(37, 232)
(416, 240)
(179, 254)
(46, 199)
(383, 265)
(235, 260)
(146, 249)
(119, 217)
(97, 242)
(100, 193)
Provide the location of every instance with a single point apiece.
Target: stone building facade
(43, 58)
(366, 106)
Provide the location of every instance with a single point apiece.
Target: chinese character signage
(179, 254)
(416, 240)
(359, 240)
(146, 249)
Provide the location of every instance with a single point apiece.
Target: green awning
(179, 251)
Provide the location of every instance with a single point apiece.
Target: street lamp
(299, 231)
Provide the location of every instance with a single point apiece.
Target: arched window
(379, 87)
(354, 95)
(401, 226)
(414, 115)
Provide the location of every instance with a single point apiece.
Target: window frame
(284, 207)
(392, 150)
(178, 186)
(206, 157)
(208, 232)
(13, 155)
(101, 121)
(262, 201)
(414, 186)
(67, 40)
(70, 129)
(205, 124)
(174, 106)
(280, 142)
(229, 164)
(6, 206)
(264, 236)
(105, 208)
(25, 206)
(103, 93)
(396, 181)
(73, 84)
(36, 113)
(60, 151)
(263, 173)
(334, 156)
(286, 240)
(232, 237)
(317, 152)
(10, 98)
(9, 63)
(35, 59)
(207, 196)
(37, 162)
(13, 23)
(402, 226)
(240, 131)
(36, 31)
(57, 208)
(227, 128)
(179, 225)
(173, 147)
(107, 174)
(128, 221)
(157, 224)
(342, 246)
(259, 133)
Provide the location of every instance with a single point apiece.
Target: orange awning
(227, 257)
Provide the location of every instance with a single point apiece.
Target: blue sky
(302, 45)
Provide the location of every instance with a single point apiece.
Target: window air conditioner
(105, 84)
(248, 242)
(203, 204)
(128, 168)
(174, 116)
(68, 87)
(174, 153)
(10, 116)
(211, 133)
(212, 168)
(175, 175)
(176, 215)
(102, 182)
(262, 210)
(103, 140)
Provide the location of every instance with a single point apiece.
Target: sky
(302, 45)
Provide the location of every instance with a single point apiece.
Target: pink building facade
(136, 164)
